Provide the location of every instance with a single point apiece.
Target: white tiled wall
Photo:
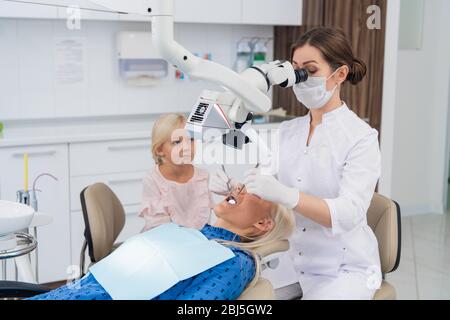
(28, 89)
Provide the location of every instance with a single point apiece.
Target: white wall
(420, 133)
(389, 94)
(28, 89)
(447, 174)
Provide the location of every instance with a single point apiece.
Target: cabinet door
(272, 12)
(106, 157)
(208, 11)
(26, 10)
(134, 17)
(127, 187)
(96, 13)
(53, 10)
(53, 239)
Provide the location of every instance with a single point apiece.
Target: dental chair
(263, 289)
(384, 218)
(104, 219)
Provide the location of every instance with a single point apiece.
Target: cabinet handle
(120, 148)
(119, 181)
(35, 154)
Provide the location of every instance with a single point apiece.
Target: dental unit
(244, 93)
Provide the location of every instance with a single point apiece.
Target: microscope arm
(197, 68)
(161, 12)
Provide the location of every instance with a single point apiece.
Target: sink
(14, 217)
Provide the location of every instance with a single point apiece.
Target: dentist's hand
(218, 183)
(269, 188)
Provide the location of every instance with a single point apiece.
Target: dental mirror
(231, 199)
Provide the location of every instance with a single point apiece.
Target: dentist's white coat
(342, 166)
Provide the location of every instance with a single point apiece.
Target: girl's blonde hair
(162, 131)
(284, 226)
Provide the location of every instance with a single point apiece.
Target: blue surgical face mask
(313, 93)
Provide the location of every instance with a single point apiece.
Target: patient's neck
(228, 226)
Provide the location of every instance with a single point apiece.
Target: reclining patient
(242, 227)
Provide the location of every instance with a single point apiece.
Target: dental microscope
(230, 110)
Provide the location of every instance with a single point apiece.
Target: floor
(424, 270)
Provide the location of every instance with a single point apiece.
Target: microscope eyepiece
(301, 75)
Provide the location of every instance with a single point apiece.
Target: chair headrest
(271, 248)
(104, 218)
(383, 217)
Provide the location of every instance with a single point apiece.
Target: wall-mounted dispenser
(139, 63)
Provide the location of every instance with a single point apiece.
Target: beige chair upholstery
(263, 289)
(104, 218)
(275, 247)
(386, 292)
(383, 217)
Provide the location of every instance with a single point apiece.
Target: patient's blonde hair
(284, 226)
(162, 131)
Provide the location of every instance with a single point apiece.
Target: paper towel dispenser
(139, 63)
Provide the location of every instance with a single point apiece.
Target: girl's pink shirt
(187, 204)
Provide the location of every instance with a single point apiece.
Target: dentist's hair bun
(357, 71)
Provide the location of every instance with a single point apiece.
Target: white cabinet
(135, 17)
(26, 10)
(55, 9)
(208, 11)
(90, 11)
(260, 12)
(53, 239)
(272, 12)
(108, 157)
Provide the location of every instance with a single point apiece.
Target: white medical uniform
(342, 166)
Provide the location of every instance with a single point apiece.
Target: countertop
(83, 135)
(43, 140)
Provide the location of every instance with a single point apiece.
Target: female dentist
(329, 165)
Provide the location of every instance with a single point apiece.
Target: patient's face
(248, 210)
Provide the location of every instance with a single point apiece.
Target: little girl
(174, 190)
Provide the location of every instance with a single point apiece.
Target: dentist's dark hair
(336, 49)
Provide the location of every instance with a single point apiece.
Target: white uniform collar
(332, 114)
(335, 113)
